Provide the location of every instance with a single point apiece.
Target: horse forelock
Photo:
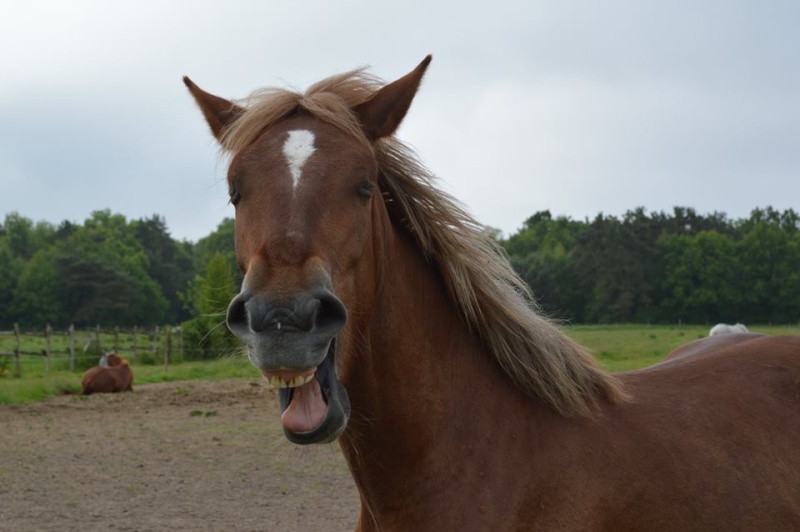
(330, 100)
(492, 299)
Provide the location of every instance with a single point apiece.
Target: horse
(710, 344)
(113, 374)
(724, 328)
(391, 321)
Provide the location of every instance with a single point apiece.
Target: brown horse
(389, 318)
(711, 344)
(112, 377)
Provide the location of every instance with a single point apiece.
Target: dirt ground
(174, 456)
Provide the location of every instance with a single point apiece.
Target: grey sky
(579, 107)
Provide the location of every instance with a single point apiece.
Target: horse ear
(219, 112)
(381, 115)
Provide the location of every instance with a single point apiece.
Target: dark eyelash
(235, 197)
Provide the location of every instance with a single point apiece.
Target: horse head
(303, 179)
(114, 360)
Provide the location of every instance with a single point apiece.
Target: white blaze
(299, 146)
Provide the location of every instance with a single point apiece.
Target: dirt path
(174, 456)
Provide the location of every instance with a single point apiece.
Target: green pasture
(35, 385)
(68, 353)
(629, 347)
(617, 347)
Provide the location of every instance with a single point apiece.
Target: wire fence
(76, 349)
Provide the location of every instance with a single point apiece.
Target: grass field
(33, 386)
(617, 347)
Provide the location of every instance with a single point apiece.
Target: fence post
(168, 349)
(135, 345)
(97, 341)
(17, 349)
(71, 332)
(153, 346)
(47, 331)
(180, 342)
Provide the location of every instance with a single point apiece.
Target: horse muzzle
(287, 333)
(292, 341)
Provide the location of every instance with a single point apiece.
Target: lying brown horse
(111, 376)
(390, 320)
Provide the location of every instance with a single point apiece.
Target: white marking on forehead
(299, 146)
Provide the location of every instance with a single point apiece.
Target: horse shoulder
(95, 380)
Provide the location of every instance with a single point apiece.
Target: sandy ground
(174, 456)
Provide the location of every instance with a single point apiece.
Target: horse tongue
(307, 409)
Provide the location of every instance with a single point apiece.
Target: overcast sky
(579, 107)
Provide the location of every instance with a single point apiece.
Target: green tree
(23, 237)
(10, 270)
(700, 278)
(18, 232)
(542, 253)
(769, 254)
(169, 263)
(616, 264)
(220, 241)
(95, 274)
(105, 272)
(36, 295)
(208, 297)
(22, 241)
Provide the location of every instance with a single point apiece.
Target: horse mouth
(314, 404)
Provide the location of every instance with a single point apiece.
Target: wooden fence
(73, 344)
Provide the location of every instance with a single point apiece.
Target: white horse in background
(724, 328)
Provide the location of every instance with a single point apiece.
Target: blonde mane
(492, 298)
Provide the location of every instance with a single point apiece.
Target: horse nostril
(237, 314)
(331, 314)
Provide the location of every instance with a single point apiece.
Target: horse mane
(493, 300)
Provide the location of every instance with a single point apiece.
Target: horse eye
(235, 197)
(365, 189)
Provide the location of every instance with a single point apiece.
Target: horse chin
(336, 399)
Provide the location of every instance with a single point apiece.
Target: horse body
(386, 319)
(114, 377)
(722, 428)
(462, 450)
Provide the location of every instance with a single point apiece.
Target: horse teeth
(300, 380)
(276, 381)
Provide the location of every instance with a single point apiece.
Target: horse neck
(421, 385)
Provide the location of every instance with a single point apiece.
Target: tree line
(113, 271)
(663, 267)
(642, 267)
